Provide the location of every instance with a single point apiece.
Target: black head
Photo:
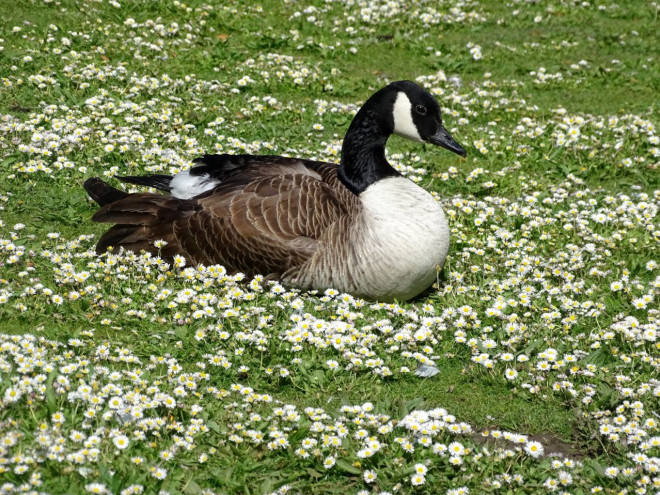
(401, 108)
(416, 115)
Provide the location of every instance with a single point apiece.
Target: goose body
(359, 226)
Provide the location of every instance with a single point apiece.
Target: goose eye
(421, 109)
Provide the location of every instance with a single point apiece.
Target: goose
(359, 227)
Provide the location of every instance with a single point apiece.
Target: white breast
(404, 236)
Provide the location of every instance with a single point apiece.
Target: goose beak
(443, 139)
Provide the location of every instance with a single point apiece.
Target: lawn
(121, 374)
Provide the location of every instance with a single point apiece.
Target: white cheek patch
(186, 186)
(404, 125)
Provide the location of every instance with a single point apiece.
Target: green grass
(552, 274)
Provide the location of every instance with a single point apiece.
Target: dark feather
(159, 181)
(242, 169)
(102, 192)
(144, 209)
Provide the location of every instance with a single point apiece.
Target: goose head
(402, 108)
(416, 115)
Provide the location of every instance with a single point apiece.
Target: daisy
(369, 476)
(420, 469)
(121, 442)
(534, 449)
(417, 479)
(159, 473)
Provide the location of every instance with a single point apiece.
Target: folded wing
(247, 223)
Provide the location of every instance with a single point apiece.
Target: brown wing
(141, 220)
(259, 225)
(267, 226)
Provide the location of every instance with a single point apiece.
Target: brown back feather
(267, 227)
(266, 219)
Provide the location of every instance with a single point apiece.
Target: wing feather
(267, 215)
(263, 228)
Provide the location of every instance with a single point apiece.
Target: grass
(123, 375)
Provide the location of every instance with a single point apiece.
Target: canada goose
(359, 227)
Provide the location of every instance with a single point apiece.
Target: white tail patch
(404, 125)
(186, 186)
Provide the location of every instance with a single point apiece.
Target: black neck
(363, 159)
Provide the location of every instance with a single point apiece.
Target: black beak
(443, 139)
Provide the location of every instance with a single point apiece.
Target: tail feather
(114, 237)
(144, 209)
(139, 238)
(159, 181)
(140, 219)
(101, 192)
